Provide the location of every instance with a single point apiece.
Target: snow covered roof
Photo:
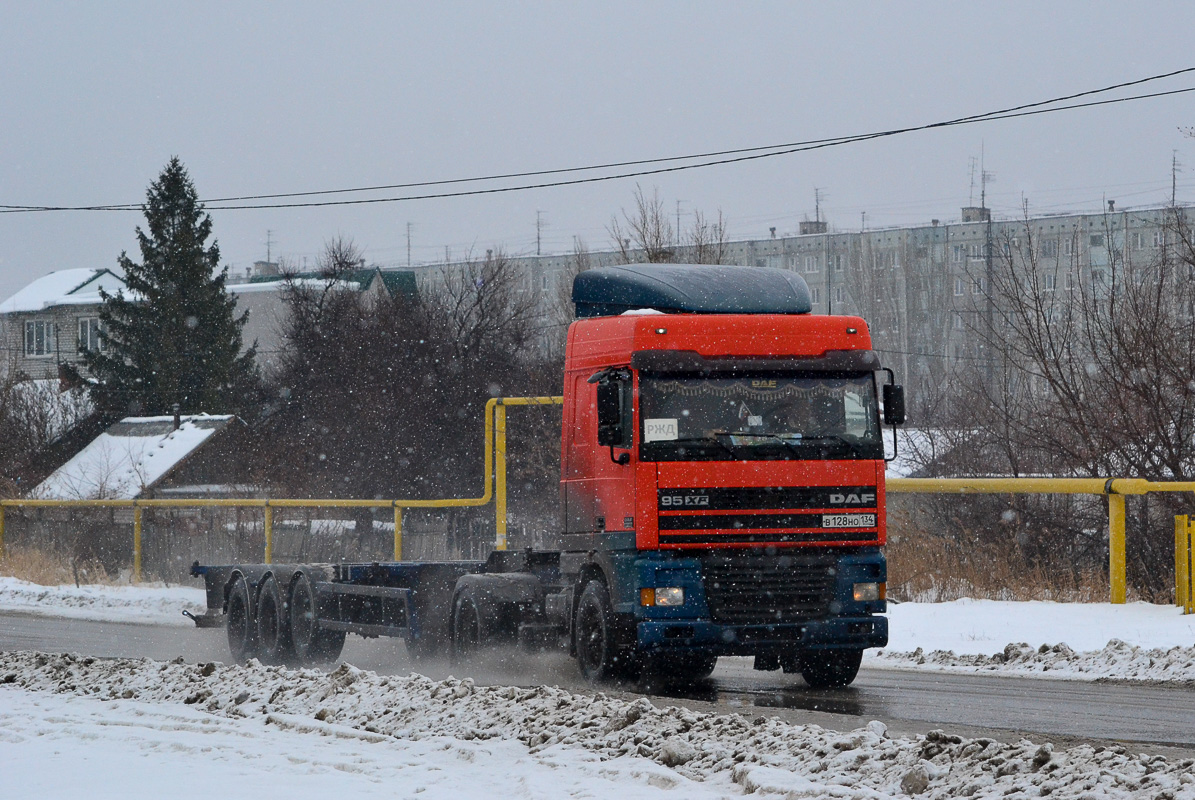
(131, 456)
(64, 287)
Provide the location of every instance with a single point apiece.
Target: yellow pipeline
(1114, 488)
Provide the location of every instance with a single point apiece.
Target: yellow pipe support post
(1182, 562)
(268, 525)
(1116, 573)
(398, 533)
(136, 544)
(500, 476)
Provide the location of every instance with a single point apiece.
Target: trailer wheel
(312, 644)
(830, 669)
(273, 625)
(598, 655)
(240, 624)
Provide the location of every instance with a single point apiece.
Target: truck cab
(722, 475)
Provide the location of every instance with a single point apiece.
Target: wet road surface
(908, 702)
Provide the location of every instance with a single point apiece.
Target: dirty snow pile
(146, 604)
(1078, 641)
(391, 720)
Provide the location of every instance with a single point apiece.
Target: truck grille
(761, 590)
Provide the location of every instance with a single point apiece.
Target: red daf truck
(722, 493)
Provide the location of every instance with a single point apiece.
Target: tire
(273, 623)
(240, 622)
(598, 655)
(695, 667)
(469, 638)
(830, 669)
(313, 645)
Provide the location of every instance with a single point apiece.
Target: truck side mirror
(894, 404)
(609, 414)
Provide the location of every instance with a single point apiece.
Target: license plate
(848, 520)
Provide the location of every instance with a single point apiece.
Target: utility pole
(408, 245)
(678, 202)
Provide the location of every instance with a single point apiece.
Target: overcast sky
(260, 98)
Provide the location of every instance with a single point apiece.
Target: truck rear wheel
(240, 624)
(598, 655)
(830, 669)
(312, 644)
(468, 632)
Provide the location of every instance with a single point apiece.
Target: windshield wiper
(713, 437)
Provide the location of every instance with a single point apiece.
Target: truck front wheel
(598, 655)
(830, 669)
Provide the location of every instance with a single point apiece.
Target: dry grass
(928, 568)
(47, 568)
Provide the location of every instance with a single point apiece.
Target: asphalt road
(1153, 718)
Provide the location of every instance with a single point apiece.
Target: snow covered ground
(1084, 641)
(75, 727)
(146, 603)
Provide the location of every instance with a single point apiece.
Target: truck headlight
(662, 596)
(869, 592)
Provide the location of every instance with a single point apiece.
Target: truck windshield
(759, 417)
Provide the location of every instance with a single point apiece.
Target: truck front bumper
(746, 640)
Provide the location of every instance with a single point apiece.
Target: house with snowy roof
(53, 320)
(183, 456)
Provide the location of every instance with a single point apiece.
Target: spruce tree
(172, 336)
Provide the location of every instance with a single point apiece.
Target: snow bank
(146, 604)
(666, 748)
(1078, 641)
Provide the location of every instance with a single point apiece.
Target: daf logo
(852, 499)
(672, 500)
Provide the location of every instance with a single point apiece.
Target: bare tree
(1084, 370)
(646, 234)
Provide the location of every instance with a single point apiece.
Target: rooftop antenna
(539, 227)
(1175, 168)
(971, 194)
(408, 245)
(985, 178)
(269, 244)
(817, 204)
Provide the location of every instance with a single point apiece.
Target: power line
(741, 155)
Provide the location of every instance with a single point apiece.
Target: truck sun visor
(689, 288)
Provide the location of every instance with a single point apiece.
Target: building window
(958, 322)
(979, 284)
(811, 264)
(89, 334)
(958, 287)
(792, 262)
(1051, 281)
(1070, 281)
(1068, 247)
(39, 338)
(815, 294)
(1137, 240)
(1097, 240)
(1048, 248)
(1159, 238)
(839, 294)
(838, 262)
